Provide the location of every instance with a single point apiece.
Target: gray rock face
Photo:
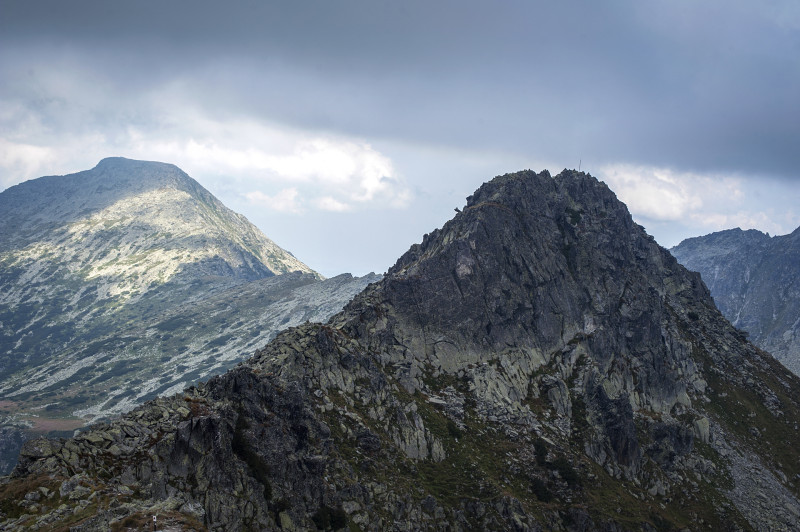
(754, 281)
(129, 281)
(539, 363)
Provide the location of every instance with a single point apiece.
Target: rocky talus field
(755, 281)
(538, 363)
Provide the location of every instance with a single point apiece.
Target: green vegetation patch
(327, 518)
(476, 462)
(13, 492)
(609, 498)
(741, 409)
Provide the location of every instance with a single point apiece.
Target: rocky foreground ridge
(539, 363)
(754, 279)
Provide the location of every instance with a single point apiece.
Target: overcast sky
(347, 129)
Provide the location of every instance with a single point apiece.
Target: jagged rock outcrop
(755, 282)
(129, 281)
(539, 363)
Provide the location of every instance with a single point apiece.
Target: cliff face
(537, 363)
(754, 281)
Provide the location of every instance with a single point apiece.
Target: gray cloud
(694, 87)
(708, 86)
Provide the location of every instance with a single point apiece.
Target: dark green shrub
(329, 518)
(540, 449)
(566, 471)
(453, 429)
(541, 490)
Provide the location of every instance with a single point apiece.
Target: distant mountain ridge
(94, 267)
(755, 281)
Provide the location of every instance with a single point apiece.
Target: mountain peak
(733, 236)
(141, 175)
(526, 265)
(109, 162)
(78, 247)
(68, 198)
(524, 198)
(118, 191)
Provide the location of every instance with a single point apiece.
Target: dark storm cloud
(708, 86)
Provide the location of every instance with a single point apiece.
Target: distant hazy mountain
(78, 250)
(755, 282)
(129, 280)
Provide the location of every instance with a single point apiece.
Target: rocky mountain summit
(128, 281)
(538, 363)
(76, 250)
(755, 281)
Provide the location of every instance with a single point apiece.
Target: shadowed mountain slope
(539, 363)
